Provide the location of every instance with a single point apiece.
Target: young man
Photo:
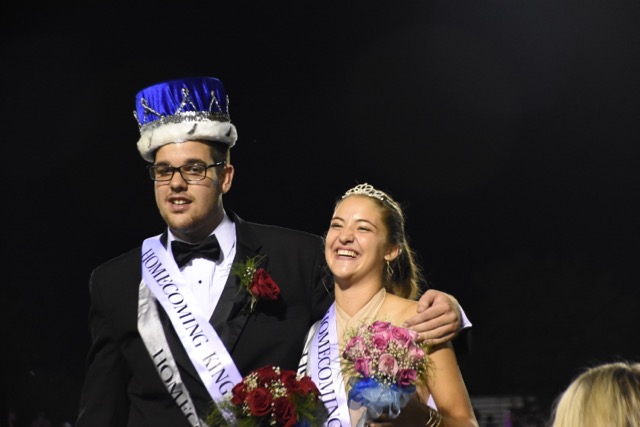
(169, 336)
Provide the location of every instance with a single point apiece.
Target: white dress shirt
(206, 278)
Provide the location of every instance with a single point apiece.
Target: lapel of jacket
(232, 311)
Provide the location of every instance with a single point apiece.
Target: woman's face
(356, 246)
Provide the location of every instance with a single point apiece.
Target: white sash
(203, 345)
(321, 361)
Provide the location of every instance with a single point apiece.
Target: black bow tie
(184, 252)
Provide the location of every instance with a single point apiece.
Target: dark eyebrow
(366, 221)
(187, 162)
(192, 161)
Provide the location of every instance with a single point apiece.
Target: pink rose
(362, 365)
(379, 326)
(400, 336)
(416, 353)
(355, 347)
(388, 365)
(380, 340)
(406, 377)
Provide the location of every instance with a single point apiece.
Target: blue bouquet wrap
(378, 398)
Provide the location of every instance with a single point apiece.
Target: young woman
(376, 278)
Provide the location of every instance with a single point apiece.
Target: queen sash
(321, 361)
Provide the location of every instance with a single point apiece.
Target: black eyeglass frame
(151, 168)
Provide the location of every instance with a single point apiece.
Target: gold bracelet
(435, 419)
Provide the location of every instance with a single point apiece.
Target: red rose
(285, 412)
(254, 402)
(266, 375)
(307, 386)
(259, 401)
(290, 381)
(313, 388)
(263, 286)
(239, 393)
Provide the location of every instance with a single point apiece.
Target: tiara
(366, 190)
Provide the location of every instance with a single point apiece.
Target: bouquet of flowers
(384, 363)
(270, 396)
(256, 281)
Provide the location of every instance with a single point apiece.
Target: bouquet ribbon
(379, 398)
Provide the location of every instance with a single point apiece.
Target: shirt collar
(225, 233)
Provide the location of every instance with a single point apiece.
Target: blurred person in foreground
(173, 323)
(605, 395)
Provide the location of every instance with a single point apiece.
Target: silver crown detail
(183, 116)
(365, 190)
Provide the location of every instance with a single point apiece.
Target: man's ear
(226, 178)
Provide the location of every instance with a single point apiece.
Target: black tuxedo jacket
(122, 386)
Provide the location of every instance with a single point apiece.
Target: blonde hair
(605, 395)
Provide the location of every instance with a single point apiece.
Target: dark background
(508, 128)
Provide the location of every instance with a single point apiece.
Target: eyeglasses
(192, 172)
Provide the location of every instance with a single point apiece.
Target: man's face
(191, 209)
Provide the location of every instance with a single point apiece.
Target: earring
(389, 269)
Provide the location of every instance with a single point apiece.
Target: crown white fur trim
(153, 139)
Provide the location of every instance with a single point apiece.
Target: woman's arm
(449, 390)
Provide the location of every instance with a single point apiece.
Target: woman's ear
(392, 253)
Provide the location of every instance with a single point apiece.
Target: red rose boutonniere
(255, 280)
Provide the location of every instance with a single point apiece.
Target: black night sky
(509, 130)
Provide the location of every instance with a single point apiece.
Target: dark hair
(219, 150)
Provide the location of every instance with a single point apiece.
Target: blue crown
(194, 108)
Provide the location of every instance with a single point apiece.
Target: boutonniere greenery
(256, 281)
